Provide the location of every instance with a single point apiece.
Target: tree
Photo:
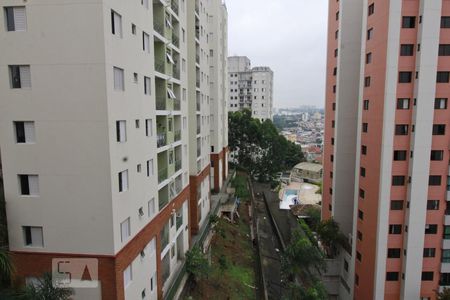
(45, 289)
(315, 291)
(196, 264)
(330, 236)
(314, 214)
(6, 266)
(444, 295)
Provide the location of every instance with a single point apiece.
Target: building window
(365, 127)
(369, 34)
(371, 9)
(116, 24)
(119, 84)
(400, 155)
(404, 77)
(337, 18)
(434, 180)
(433, 205)
(444, 50)
(125, 230)
(358, 256)
(401, 129)
(360, 235)
(362, 193)
(445, 256)
(363, 150)
(29, 185)
(440, 103)
(392, 276)
(133, 29)
(145, 42)
(407, 50)
(437, 155)
(127, 276)
(33, 236)
(403, 103)
(367, 81)
(145, 3)
(409, 22)
(121, 131)
(446, 232)
(445, 279)
(427, 276)
(362, 172)
(393, 253)
(360, 214)
(439, 129)
(366, 105)
(20, 76)
(151, 207)
(395, 229)
(148, 127)
(398, 180)
(356, 279)
(336, 51)
(25, 133)
(123, 181)
(431, 229)
(445, 22)
(147, 86)
(150, 171)
(443, 77)
(16, 18)
(429, 252)
(368, 58)
(397, 204)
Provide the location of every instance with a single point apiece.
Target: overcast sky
(289, 36)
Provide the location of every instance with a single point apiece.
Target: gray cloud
(290, 37)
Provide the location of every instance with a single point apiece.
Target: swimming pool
(290, 193)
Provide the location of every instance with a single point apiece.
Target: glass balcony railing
(160, 66)
(161, 140)
(174, 6)
(175, 40)
(197, 83)
(199, 152)
(176, 104)
(162, 175)
(178, 165)
(198, 129)
(161, 103)
(158, 27)
(177, 135)
(176, 72)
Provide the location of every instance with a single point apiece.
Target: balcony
(199, 151)
(175, 40)
(158, 26)
(197, 83)
(160, 66)
(174, 6)
(198, 104)
(197, 58)
(178, 165)
(162, 174)
(176, 104)
(161, 103)
(161, 139)
(177, 135)
(176, 72)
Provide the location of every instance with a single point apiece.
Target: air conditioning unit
(141, 212)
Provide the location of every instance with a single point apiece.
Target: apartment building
(386, 150)
(95, 138)
(250, 88)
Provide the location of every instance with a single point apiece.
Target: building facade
(386, 145)
(250, 88)
(96, 139)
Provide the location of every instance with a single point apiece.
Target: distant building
(307, 172)
(250, 88)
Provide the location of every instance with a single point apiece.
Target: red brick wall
(194, 182)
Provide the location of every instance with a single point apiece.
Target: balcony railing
(158, 27)
(175, 40)
(160, 66)
(198, 129)
(161, 103)
(178, 165)
(162, 175)
(198, 105)
(177, 135)
(174, 6)
(199, 152)
(179, 220)
(176, 104)
(176, 72)
(197, 83)
(161, 140)
(197, 58)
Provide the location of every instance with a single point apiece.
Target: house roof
(309, 166)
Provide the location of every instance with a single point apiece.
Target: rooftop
(309, 166)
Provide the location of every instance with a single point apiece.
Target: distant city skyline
(273, 33)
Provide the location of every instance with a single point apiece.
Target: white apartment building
(250, 88)
(96, 137)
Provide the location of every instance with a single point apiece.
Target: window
(360, 235)
(151, 207)
(369, 34)
(125, 230)
(148, 127)
(409, 22)
(133, 29)
(337, 18)
(445, 256)
(365, 127)
(429, 252)
(368, 58)
(444, 50)
(433, 205)
(446, 232)
(407, 50)
(145, 42)
(20, 76)
(345, 265)
(397, 204)
(398, 180)
(119, 84)
(356, 279)
(147, 86)
(431, 229)
(403, 103)
(393, 253)
(445, 22)
(25, 133)
(445, 279)
(366, 105)
(438, 129)
(145, 3)
(150, 168)
(361, 193)
(358, 256)
(123, 181)
(404, 77)
(29, 185)
(362, 171)
(401, 129)
(361, 214)
(371, 9)
(121, 131)
(33, 236)
(116, 24)
(434, 180)
(16, 18)
(336, 34)
(440, 103)
(400, 155)
(427, 276)
(391, 276)
(367, 81)
(395, 229)
(127, 276)
(336, 52)
(363, 150)
(443, 77)
(437, 155)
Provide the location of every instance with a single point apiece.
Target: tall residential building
(386, 174)
(250, 88)
(98, 136)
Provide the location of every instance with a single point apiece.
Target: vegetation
(197, 265)
(260, 149)
(330, 236)
(282, 122)
(45, 289)
(6, 266)
(444, 295)
(314, 214)
(240, 184)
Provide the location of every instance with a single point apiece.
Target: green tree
(196, 264)
(444, 295)
(45, 289)
(315, 291)
(314, 215)
(330, 236)
(6, 266)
